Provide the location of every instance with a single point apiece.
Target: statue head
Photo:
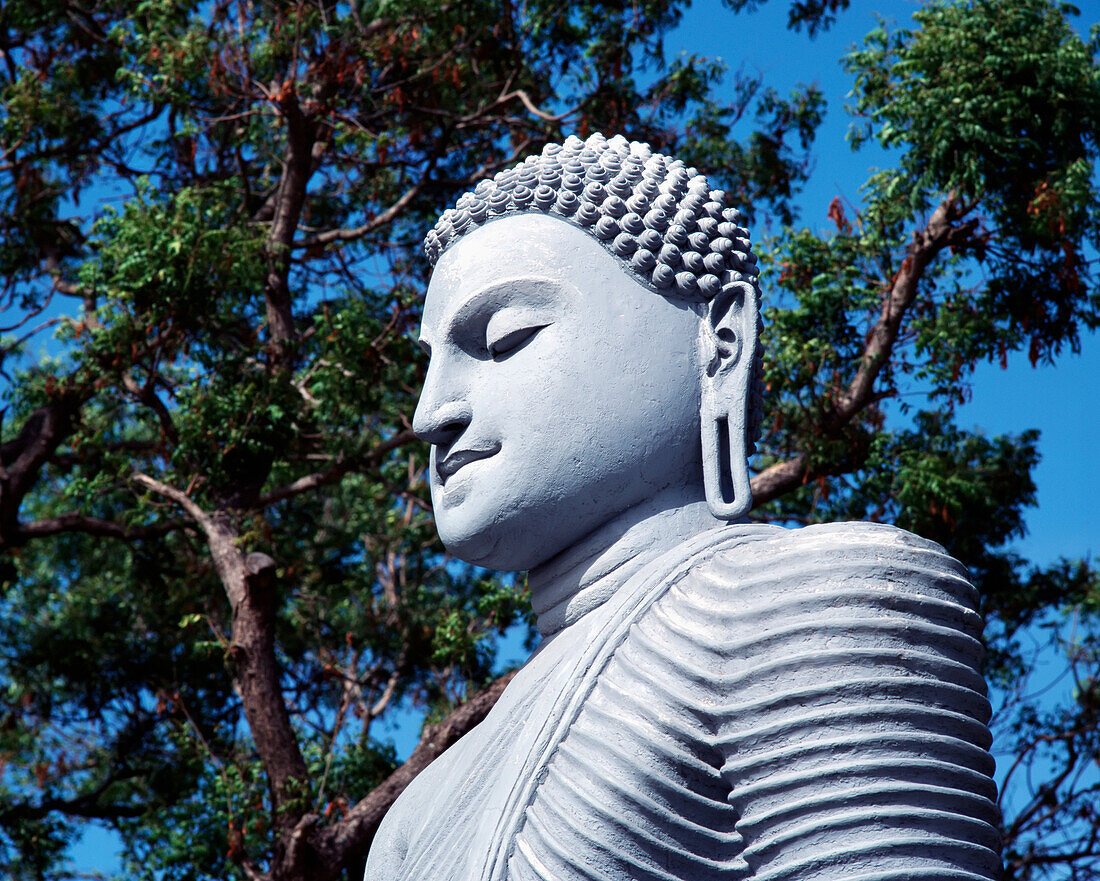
(593, 327)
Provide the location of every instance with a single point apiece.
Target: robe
(757, 703)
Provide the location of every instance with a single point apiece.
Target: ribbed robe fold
(756, 703)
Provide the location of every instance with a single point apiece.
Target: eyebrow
(539, 288)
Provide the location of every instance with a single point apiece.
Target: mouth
(452, 462)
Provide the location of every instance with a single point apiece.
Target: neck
(580, 578)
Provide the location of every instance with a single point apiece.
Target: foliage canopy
(219, 572)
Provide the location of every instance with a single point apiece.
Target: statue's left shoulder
(855, 563)
(857, 539)
(834, 542)
(842, 669)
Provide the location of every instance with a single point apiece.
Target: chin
(490, 529)
(476, 548)
(501, 547)
(489, 537)
(468, 532)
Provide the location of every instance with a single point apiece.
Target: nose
(442, 414)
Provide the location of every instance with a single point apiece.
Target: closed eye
(512, 342)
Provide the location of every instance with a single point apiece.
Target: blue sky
(1062, 400)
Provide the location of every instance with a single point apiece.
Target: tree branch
(289, 201)
(347, 235)
(939, 233)
(335, 846)
(148, 396)
(530, 105)
(248, 580)
(189, 505)
(22, 457)
(86, 806)
(76, 522)
(778, 479)
(335, 472)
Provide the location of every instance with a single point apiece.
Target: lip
(457, 459)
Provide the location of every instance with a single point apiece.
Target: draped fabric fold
(757, 703)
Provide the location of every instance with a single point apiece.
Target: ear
(730, 331)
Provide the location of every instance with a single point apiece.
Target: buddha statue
(712, 698)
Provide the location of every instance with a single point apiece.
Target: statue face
(560, 392)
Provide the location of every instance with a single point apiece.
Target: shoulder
(831, 553)
(829, 544)
(848, 698)
(760, 576)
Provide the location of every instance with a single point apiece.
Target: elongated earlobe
(724, 405)
(725, 467)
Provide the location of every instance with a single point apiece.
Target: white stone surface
(711, 700)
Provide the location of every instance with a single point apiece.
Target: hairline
(622, 263)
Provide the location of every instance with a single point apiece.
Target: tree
(980, 241)
(220, 570)
(220, 567)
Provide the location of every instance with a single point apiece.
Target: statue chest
(799, 703)
(631, 790)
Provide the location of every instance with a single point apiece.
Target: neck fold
(568, 586)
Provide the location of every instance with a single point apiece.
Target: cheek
(550, 380)
(590, 391)
(657, 384)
